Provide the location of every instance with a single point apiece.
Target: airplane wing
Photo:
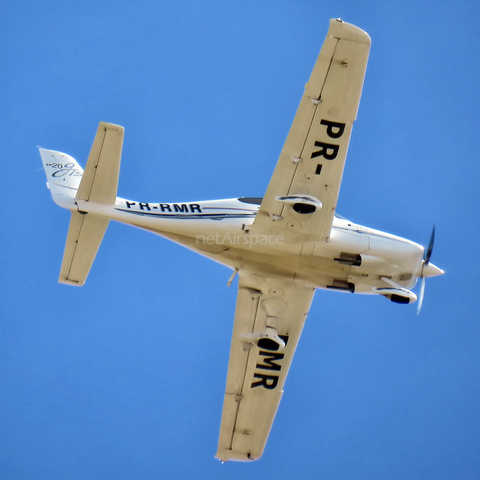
(302, 195)
(257, 368)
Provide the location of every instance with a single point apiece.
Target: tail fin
(72, 188)
(63, 176)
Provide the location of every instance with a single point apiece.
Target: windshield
(252, 200)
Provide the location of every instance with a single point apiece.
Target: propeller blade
(431, 271)
(420, 296)
(428, 253)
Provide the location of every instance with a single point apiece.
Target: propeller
(428, 270)
(430, 247)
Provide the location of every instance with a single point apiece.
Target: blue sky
(124, 377)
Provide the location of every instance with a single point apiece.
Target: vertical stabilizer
(63, 177)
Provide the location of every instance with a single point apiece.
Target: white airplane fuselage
(356, 258)
(282, 246)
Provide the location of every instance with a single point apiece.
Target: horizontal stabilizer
(100, 178)
(85, 234)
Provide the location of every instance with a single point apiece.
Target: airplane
(283, 246)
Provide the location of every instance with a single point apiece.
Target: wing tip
(225, 454)
(68, 281)
(347, 31)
